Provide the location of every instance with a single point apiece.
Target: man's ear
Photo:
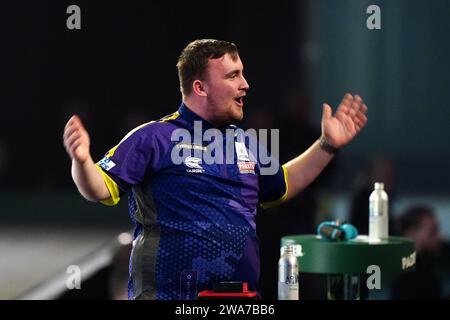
(198, 88)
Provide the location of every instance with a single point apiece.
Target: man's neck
(201, 110)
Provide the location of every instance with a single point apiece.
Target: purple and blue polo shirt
(194, 222)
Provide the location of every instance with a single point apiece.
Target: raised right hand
(76, 140)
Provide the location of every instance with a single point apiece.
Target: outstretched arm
(337, 130)
(86, 176)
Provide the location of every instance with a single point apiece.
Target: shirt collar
(190, 116)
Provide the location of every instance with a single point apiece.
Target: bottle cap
(379, 185)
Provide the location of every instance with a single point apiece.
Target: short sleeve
(273, 182)
(273, 188)
(128, 163)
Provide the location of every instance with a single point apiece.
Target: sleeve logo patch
(106, 163)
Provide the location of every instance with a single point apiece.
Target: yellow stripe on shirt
(271, 204)
(112, 187)
(110, 184)
(110, 153)
(170, 117)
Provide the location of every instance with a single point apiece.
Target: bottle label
(378, 227)
(296, 248)
(291, 279)
(287, 291)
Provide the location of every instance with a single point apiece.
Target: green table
(346, 261)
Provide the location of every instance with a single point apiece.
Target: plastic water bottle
(288, 275)
(378, 212)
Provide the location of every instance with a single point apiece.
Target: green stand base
(346, 261)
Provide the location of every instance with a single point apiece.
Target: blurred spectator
(420, 224)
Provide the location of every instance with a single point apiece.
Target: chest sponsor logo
(193, 164)
(241, 151)
(246, 167)
(106, 164)
(219, 147)
(190, 146)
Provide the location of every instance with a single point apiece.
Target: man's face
(225, 86)
(427, 236)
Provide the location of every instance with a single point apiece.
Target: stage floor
(30, 255)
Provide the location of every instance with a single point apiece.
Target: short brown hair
(193, 60)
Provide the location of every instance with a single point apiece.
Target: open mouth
(239, 101)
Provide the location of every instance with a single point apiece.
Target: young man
(195, 221)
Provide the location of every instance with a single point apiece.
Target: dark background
(119, 71)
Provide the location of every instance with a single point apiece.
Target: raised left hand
(340, 128)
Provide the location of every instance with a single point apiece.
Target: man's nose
(244, 85)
